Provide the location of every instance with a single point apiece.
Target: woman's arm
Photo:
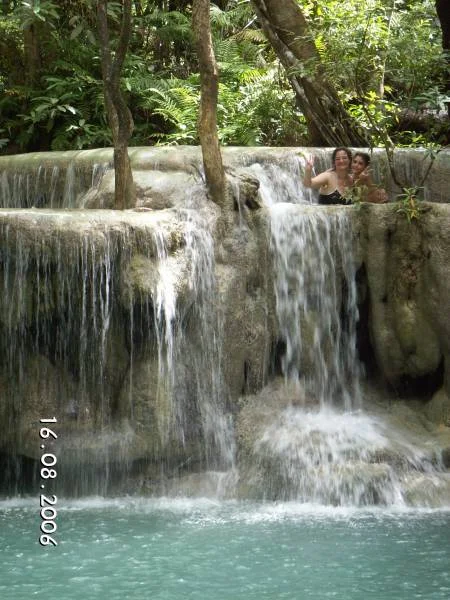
(321, 180)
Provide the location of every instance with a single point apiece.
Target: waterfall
(315, 288)
(56, 305)
(207, 361)
(117, 322)
(326, 457)
(316, 301)
(41, 185)
(67, 321)
(55, 299)
(189, 343)
(315, 444)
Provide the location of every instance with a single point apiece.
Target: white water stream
(199, 352)
(328, 451)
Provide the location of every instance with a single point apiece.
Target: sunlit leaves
(383, 56)
(30, 11)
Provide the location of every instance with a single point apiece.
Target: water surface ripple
(170, 549)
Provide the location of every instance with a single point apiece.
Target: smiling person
(363, 183)
(335, 183)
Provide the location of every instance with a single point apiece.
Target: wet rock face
(43, 392)
(438, 408)
(161, 191)
(446, 457)
(137, 329)
(98, 305)
(408, 275)
(291, 449)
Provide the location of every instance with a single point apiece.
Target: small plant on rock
(408, 203)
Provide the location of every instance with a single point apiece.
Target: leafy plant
(377, 75)
(29, 12)
(433, 99)
(408, 204)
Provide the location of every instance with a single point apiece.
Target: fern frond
(251, 35)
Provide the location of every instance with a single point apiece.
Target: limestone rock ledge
(87, 332)
(408, 277)
(289, 448)
(109, 318)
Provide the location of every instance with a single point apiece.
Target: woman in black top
(333, 185)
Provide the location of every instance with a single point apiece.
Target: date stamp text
(48, 472)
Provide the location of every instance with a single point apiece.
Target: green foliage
(253, 113)
(3, 141)
(11, 94)
(384, 59)
(355, 195)
(177, 103)
(262, 113)
(256, 104)
(30, 12)
(433, 99)
(71, 112)
(375, 114)
(408, 204)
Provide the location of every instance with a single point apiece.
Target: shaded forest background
(387, 60)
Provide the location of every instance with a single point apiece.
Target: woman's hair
(336, 150)
(364, 156)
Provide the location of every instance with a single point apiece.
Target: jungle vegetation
(385, 62)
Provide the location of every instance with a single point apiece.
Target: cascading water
(57, 308)
(114, 322)
(189, 363)
(207, 364)
(120, 322)
(316, 301)
(322, 448)
(315, 288)
(48, 185)
(64, 326)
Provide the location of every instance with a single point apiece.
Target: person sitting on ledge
(365, 190)
(335, 184)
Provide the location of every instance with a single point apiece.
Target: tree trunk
(287, 31)
(207, 122)
(443, 12)
(32, 54)
(119, 115)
